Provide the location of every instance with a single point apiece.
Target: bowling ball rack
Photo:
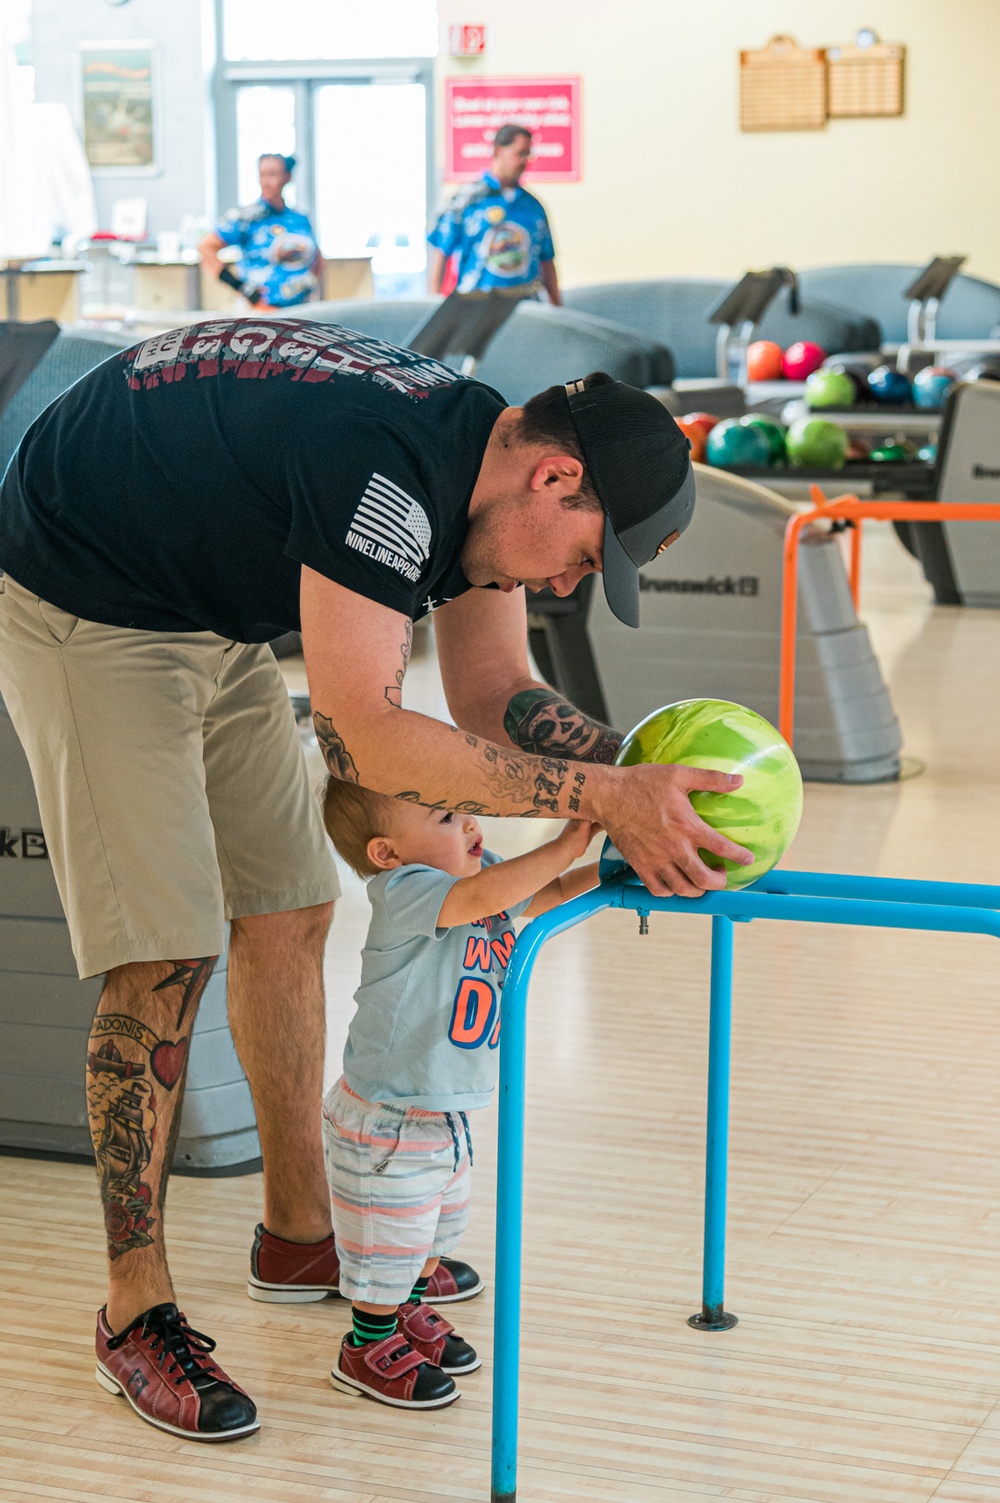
(914, 478)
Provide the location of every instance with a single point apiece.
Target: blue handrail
(801, 897)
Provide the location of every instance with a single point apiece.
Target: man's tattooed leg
(338, 759)
(542, 722)
(136, 1063)
(191, 975)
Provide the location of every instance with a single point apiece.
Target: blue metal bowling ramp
(797, 897)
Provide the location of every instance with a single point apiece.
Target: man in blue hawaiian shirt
(497, 229)
(279, 263)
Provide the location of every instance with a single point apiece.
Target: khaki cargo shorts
(170, 779)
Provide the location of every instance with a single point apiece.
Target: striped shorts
(399, 1186)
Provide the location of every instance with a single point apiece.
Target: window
(371, 187)
(345, 87)
(256, 31)
(265, 121)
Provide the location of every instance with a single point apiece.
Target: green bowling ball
(816, 443)
(828, 388)
(772, 430)
(764, 813)
(891, 453)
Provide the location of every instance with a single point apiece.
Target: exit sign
(468, 40)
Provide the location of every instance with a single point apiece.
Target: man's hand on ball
(647, 812)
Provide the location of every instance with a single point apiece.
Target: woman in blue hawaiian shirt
(279, 264)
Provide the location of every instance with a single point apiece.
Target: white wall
(185, 182)
(671, 185)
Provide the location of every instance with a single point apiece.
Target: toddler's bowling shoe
(434, 1338)
(162, 1367)
(393, 1372)
(298, 1272)
(451, 1282)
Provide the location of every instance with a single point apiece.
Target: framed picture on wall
(120, 107)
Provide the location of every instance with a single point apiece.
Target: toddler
(421, 1052)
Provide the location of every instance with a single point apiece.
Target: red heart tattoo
(167, 1062)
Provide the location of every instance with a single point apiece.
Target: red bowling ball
(801, 359)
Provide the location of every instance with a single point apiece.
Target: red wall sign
(475, 108)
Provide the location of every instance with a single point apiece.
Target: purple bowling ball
(890, 387)
(931, 385)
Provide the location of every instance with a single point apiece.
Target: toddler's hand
(575, 837)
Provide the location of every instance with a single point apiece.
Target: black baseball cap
(639, 463)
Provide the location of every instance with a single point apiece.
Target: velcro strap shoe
(434, 1337)
(451, 1282)
(393, 1372)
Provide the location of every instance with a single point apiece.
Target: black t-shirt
(181, 485)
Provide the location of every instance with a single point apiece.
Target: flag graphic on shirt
(391, 528)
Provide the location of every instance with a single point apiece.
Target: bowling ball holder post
(789, 896)
(849, 511)
(740, 310)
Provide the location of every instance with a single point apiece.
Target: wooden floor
(865, 1206)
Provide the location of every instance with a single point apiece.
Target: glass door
(360, 134)
(265, 121)
(370, 166)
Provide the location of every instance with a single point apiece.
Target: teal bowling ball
(772, 430)
(817, 444)
(932, 385)
(764, 813)
(730, 443)
(927, 453)
(829, 388)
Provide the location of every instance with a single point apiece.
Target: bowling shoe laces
(299, 1272)
(164, 1369)
(434, 1338)
(393, 1372)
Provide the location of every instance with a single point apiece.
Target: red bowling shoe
(162, 1367)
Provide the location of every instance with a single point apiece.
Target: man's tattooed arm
(331, 743)
(542, 722)
(534, 781)
(512, 779)
(394, 692)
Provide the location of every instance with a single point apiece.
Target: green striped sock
(418, 1291)
(369, 1327)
